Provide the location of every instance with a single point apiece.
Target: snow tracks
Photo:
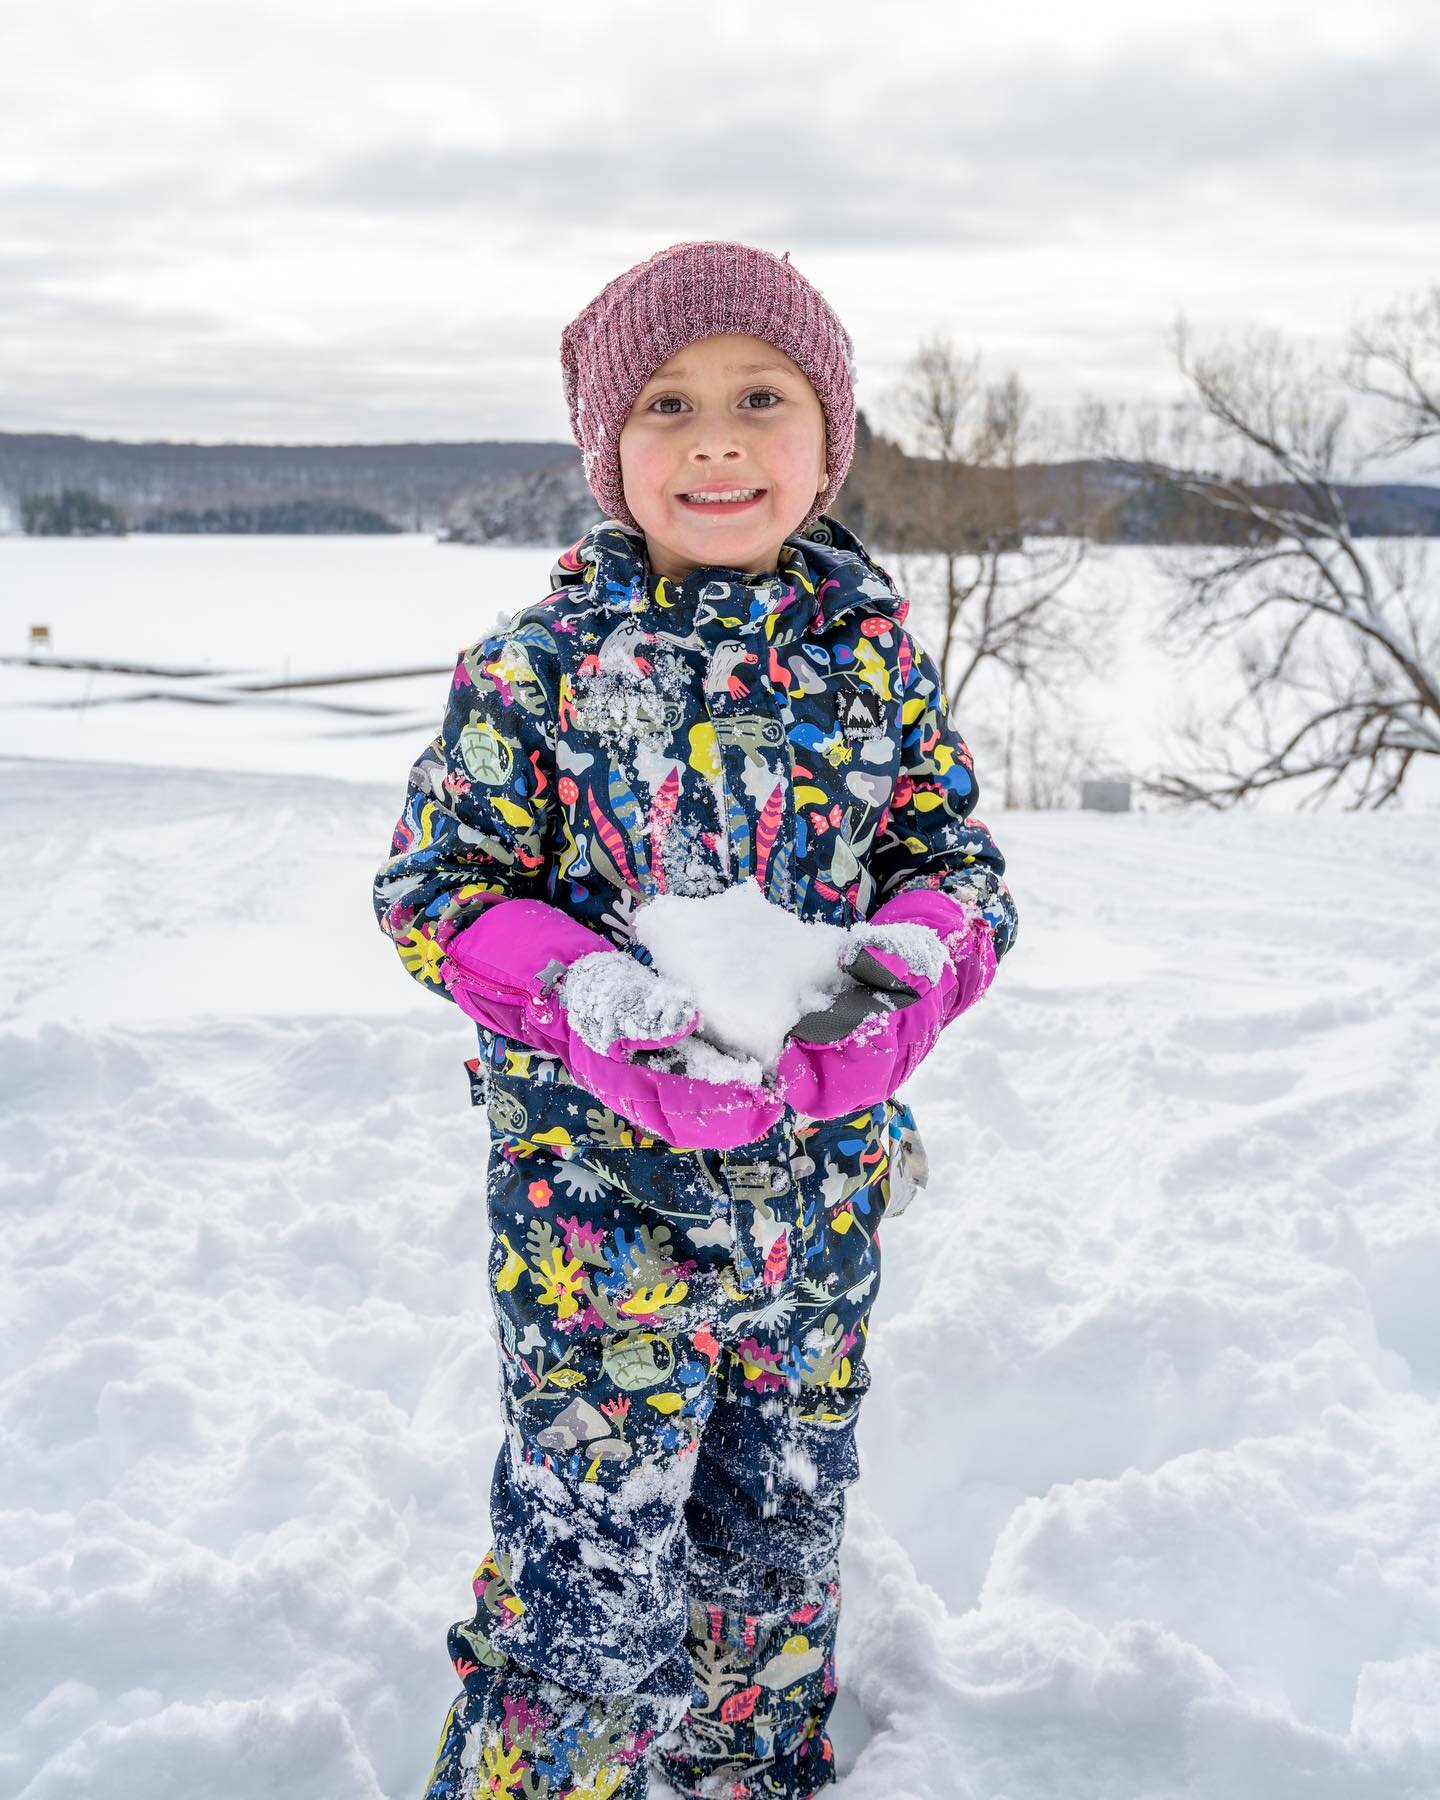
(1152, 1493)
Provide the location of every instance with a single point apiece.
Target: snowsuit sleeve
(928, 837)
(477, 805)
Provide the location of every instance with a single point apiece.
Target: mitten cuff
(504, 969)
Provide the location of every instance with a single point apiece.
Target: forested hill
(532, 492)
(410, 484)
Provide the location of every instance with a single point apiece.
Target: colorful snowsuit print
(682, 1330)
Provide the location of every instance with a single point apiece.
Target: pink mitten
(831, 1066)
(532, 972)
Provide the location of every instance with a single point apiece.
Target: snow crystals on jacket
(632, 735)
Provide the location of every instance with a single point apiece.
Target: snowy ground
(1151, 1503)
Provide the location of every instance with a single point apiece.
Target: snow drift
(1151, 1503)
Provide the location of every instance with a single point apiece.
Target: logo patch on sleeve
(860, 715)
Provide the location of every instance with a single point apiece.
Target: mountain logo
(860, 715)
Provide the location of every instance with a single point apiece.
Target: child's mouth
(749, 497)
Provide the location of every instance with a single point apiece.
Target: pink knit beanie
(697, 290)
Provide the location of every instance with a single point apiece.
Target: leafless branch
(1339, 650)
(1005, 599)
(1396, 359)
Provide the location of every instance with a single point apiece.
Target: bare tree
(1396, 359)
(952, 493)
(1338, 648)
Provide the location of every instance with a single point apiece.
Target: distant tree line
(292, 516)
(76, 512)
(410, 483)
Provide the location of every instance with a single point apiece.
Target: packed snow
(1151, 1496)
(610, 999)
(733, 969)
(753, 967)
(917, 946)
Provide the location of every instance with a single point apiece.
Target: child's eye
(660, 399)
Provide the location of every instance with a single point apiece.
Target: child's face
(714, 417)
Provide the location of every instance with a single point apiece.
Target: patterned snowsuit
(682, 1331)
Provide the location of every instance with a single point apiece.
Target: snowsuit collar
(818, 578)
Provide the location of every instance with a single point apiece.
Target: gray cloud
(1050, 132)
(1055, 203)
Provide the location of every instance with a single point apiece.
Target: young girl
(719, 689)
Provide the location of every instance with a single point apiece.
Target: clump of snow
(753, 967)
(609, 995)
(799, 1466)
(703, 1061)
(917, 945)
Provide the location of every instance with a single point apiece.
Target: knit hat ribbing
(690, 291)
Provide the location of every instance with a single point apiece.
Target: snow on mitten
(908, 1004)
(883, 961)
(618, 1005)
(624, 1016)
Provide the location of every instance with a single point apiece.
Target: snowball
(753, 967)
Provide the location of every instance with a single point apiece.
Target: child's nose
(715, 437)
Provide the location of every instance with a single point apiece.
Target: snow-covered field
(1151, 1503)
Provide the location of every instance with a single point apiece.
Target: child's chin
(743, 536)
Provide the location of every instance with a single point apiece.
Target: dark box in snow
(1105, 796)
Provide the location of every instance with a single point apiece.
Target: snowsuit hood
(820, 576)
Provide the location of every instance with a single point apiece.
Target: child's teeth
(735, 494)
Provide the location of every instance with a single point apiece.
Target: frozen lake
(290, 607)
(251, 607)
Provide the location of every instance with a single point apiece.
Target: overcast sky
(328, 220)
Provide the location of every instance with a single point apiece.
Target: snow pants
(682, 1339)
